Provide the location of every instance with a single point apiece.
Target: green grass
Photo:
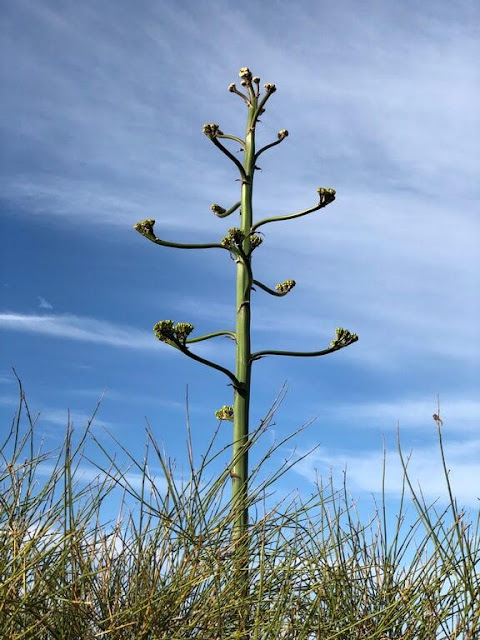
(162, 569)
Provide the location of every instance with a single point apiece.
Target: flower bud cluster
(235, 238)
(182, 331)
(225, 413)
(326, 195)
(245, 74)
(172, 334)
(246, 81)
(255, 241)
(145, 227)
(212, 130)
(343, 338)
(282, 134)
(285, 287)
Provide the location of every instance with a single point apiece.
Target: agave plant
(240, 243)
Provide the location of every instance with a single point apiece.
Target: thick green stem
(243, 364)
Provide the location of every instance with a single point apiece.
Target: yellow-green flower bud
(282, 134)
(217, 209)
(225, 413)
(285, 287)
(164, 331)
(211, 130)
(182, 331)
(234, 238)
(269, 87)
(343, 338)
(326, 195)
(245, 74)
(145, 227)
(255, 241)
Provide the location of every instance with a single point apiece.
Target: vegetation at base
(162, 568)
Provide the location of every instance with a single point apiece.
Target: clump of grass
(163, 568)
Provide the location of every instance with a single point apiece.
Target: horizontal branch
(176, 336)
(236, 383)
(145, 228)
(280, 290)
(344, 339)
(229, 334)
(234, 138)
(326, 196)
(220, 212)
(281, 136)
(299, 354)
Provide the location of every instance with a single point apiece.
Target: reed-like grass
(162, 569)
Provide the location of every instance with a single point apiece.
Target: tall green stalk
(243, 316)
(240, 242)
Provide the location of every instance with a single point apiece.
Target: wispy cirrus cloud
(392, 112)
(85, 329)
(62, 417)
(458, 414)
(91, 474)
(78, 328)
(424, 467)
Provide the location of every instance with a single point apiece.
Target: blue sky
(102, 114)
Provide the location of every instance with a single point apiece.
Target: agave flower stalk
(240, 242)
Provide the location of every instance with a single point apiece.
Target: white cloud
(457, 413)
(87, 474)
(86, 329)
(59, 417)
(143, 399)
(78, 419)
(44, 304)
(388, 106)
(9, 401)
(364, 470)
(78, 328)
